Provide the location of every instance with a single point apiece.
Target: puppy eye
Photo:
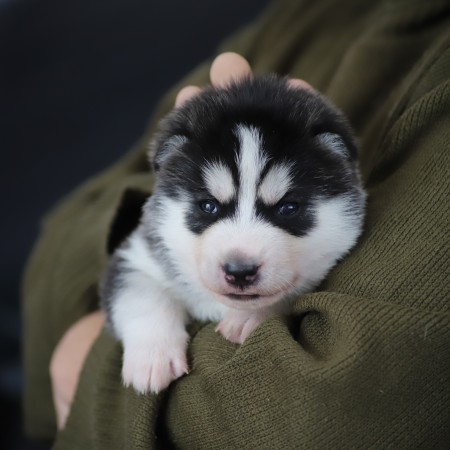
(288, 208)
(209, 206)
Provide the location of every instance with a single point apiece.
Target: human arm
(68, 359)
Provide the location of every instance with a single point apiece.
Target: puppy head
(258, 192)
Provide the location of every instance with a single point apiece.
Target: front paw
(150, 365)
(238, 324)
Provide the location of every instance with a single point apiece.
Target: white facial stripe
(275, 184)
(251, 162)
(219, 181)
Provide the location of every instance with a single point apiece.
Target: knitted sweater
(361, 363)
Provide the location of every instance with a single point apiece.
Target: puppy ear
(334, 142)
(162, 149)
(338, 144)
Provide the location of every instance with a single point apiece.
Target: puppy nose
(240, 274)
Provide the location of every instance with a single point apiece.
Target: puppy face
(258, 193)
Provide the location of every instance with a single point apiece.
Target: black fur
(127, 218)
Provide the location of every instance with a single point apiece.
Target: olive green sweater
(364, 362)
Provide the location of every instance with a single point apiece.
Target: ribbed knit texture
(364, 362)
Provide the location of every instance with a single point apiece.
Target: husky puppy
(257, 197)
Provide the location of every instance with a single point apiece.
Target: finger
(62, 413)
(62, 406)
(228, 67)
(185, 94)
(300, 84)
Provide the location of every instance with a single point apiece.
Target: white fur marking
(275, 184)
(181, 245)
(251, 162)
(219, 181)
(337, 228)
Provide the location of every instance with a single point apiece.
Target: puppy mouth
(243, 296)
(248, 300)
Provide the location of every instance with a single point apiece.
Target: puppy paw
(237, 325)
(152, 365)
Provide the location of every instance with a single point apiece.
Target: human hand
(68, 359)
(225, 68)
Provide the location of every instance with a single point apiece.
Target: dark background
(78, 81)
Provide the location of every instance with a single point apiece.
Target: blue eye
(287, 208)
(209, 206)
